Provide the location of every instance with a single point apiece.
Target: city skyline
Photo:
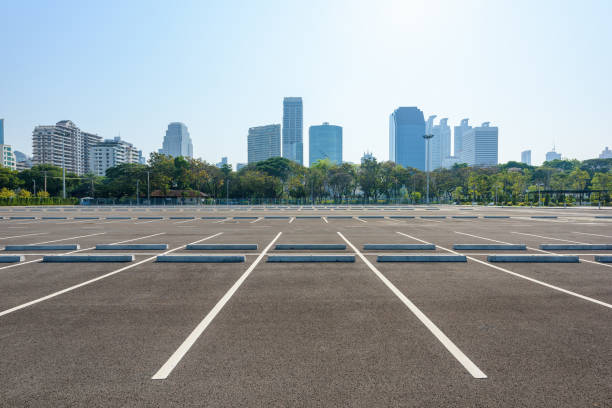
(139, 87)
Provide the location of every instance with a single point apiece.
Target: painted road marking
(554, 239)
(595, 235)
(291, 220)
(548, 285)
(325, 219)
(25, 235)
(79, 285)
(254, 221)
(178, 355)
(66, 239)
(446, 342)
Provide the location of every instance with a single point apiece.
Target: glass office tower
(406, 143)
(325, 142)
(293, 117)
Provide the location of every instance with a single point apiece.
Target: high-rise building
(240, 166)
(367, 156)
(606, 153)
(1, 131)
(177, 141)
(325, 142)
(264, 142)
(222, 163)
(406, 143)
(440, 143)
(63, 145)
(553, 155)
(459, 131)
(293, 118)
(526, 157)
(110, 153)
(480, 145)
(7, 157)
(23, 161)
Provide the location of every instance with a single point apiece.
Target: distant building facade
(293, 129)
(553, 155)
(110, 153)
(367, 156)
(458, 133)
(222, 163)
(440, 143)
(406, 143)
(7, 157)
(606, 154)
(325, 142)
(24, 162)
(480, 146)
(1, 131)
(526, 157)
(240, 166)
(264, 143)
(177, 141)
(63, 145)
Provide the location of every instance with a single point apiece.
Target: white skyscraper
(606, 154)
(459, 131)
(480, 146)
(526, 157)
(440, 144)
(177, 141)
(264, 142)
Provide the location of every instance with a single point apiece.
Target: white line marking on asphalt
(548, 285)
(446, 342)
(416, 239)
(184, 221)
(291, 220)
(178, 355)
(325, 219)
(254, 221)
(595, 235)
(359, 219)
(554, 239)
(26, 235)
(79, 285)
(66, 239)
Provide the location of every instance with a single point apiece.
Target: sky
(539, 70)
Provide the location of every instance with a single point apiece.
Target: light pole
(148, 189)
(227, 194)
(427, 139)
(539, 195)
(137, 195)
(63, 168)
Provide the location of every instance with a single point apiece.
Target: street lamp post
(427, 139)
(137, 192)
(148, 189)
(539, 195)
(63, 168)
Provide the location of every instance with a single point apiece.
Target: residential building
(459, 131)
(293, 117)
(480, 145)
(526, 157)
(63, 145)
(110, 153)
(553, 155)
(264, 142)
(325, 142)
(406, 142)
(177, 141)
(1, 131)
(7, 157)
(606, 154)
(222, 163)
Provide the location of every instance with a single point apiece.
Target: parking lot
(326, 332)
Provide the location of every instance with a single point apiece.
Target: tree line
(281, 180)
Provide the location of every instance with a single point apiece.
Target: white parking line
(67, 239)
(25, 235)
(359, 219)
(79, 285)
(595, 235)
(178, 355)
(184, 221)
(548, 285)
(446, 342)
(325, 219)
(554, 239)
(254, 221)
(291, 220)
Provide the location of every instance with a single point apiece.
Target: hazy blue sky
(540, 70)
